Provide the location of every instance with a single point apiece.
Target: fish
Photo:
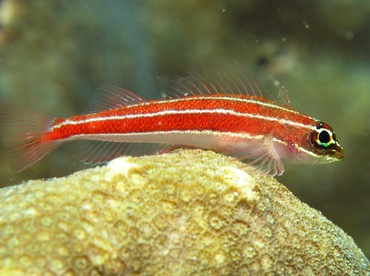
(220, 108)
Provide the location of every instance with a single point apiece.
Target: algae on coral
(188, 212)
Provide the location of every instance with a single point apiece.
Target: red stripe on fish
(216, 114)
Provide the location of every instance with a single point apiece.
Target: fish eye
(323, 137)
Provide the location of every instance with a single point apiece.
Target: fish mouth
(337, 153)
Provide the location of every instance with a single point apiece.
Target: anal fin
(96, 151)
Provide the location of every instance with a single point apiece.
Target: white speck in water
(305, 24)
(283, 38)
(222, 8)
(349, 35)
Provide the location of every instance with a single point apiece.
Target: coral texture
(184, 213)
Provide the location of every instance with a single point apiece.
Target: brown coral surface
(185, 213)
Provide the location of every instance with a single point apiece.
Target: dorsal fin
(284, 96)
(111, 96)
(221, 78)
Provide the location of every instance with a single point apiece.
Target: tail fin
(25, 136)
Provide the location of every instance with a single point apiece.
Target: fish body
(221, 110)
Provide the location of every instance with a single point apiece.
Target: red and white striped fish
(221, 109)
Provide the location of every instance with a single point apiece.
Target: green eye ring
(322, 137)
(325, 138)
